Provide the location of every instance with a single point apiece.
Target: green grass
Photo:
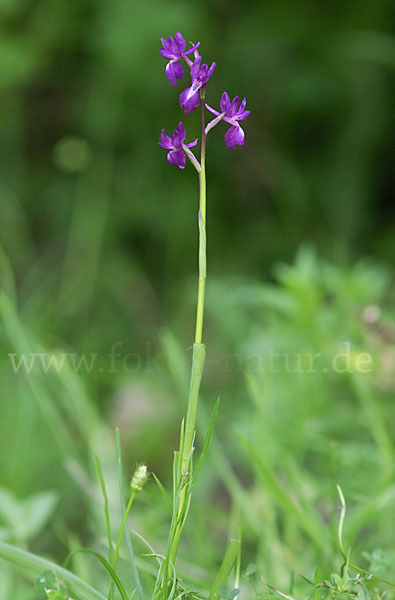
(282, 442)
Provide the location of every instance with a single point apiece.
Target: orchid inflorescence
(174, 49)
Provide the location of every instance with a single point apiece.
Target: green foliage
(23, 520)
(96, 251)
(49, 586)
(224, 572)
(288, 454)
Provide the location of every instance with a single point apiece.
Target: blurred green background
(98, 243)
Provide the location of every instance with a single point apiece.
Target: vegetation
(97, 248)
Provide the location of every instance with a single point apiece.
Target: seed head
(139, 478)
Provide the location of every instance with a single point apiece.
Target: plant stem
(121, 529)
(198, 354)
(202, 234)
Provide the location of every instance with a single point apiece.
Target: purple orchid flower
(232, 114)
(174, 50)
(175, 145)
(189, 98)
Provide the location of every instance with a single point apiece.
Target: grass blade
(229, 561)
(123, 508)
(106, 565)
(163, 492)
(306, 522)
(106, 508)
(35, 565)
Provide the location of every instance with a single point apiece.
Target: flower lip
(174, 71)
(234, 136)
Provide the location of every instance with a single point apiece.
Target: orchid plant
(191, 98)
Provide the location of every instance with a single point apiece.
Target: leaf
(26, 517)
(106, 507)
(9, 507)
(363, 593)
(163, 492)
(250, 570)
(311, 525)
(106, 565)
(337, 580)
(50, 586)
(225, 568)
(307, 580)
(198, 359)
(35, 512)
(35, 565)
(207, 441)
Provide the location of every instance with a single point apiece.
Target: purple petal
(192, 143)
(212, 110)
(242, 116)
(233, 107)
(174, 71)
(192, 49)
(177, 158)
(189, 100)
(178, 136)
(180, 43)
(173, 47)
(224, 103)
(166, 53)
(184, 96)
(242, 105)
(165, 141)
(188, 93)
(234, 136)
(196, 67)
(211, 71)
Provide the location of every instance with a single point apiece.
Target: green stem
(202, 234)
(121, 529)
(198, 354)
